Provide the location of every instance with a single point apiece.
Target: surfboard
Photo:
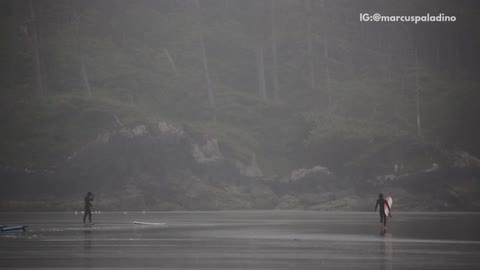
(385, 208)
(149, 223)
(12, 228)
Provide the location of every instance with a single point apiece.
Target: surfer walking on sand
(88, 207)
(380, 203)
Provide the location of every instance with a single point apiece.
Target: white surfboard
(149, 223)
(385, 208)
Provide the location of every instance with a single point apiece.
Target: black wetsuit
(383, 217)
(88, 208)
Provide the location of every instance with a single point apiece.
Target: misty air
(239, 134)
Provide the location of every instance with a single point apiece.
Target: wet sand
(242, 240)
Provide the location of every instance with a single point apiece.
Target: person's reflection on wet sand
(87, 248)
(388, 252)
(87, 240)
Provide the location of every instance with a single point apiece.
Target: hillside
(209, 105)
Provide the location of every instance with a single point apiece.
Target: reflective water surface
(242, 240)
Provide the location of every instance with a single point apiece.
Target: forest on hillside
(214, 104)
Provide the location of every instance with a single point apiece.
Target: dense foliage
(296, 82)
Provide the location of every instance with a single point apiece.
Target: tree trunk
(170, 60)
(133, 93)
(389, 67)
(262, 90)
(417, 98)
(458, 65)
(274, 52)
(226, 8)
(311, 63)
(34, 40)
(437, 56)
(326, 57)
(327, 72)
(81, 57)
(211, 95)
(85, 79)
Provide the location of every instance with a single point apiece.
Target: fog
(191, 105)
(252, 134)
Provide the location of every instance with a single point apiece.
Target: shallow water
(242, 240)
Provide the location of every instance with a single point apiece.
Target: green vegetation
(292, 83)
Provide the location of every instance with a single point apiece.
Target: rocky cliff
(168, 167)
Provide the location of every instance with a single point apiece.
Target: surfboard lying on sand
(4, 228)
(385, 208)
(149, 223)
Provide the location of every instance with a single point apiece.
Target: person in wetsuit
(380, 203)
(88, 207)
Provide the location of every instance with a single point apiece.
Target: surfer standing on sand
(380, 203)
(88, 207)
